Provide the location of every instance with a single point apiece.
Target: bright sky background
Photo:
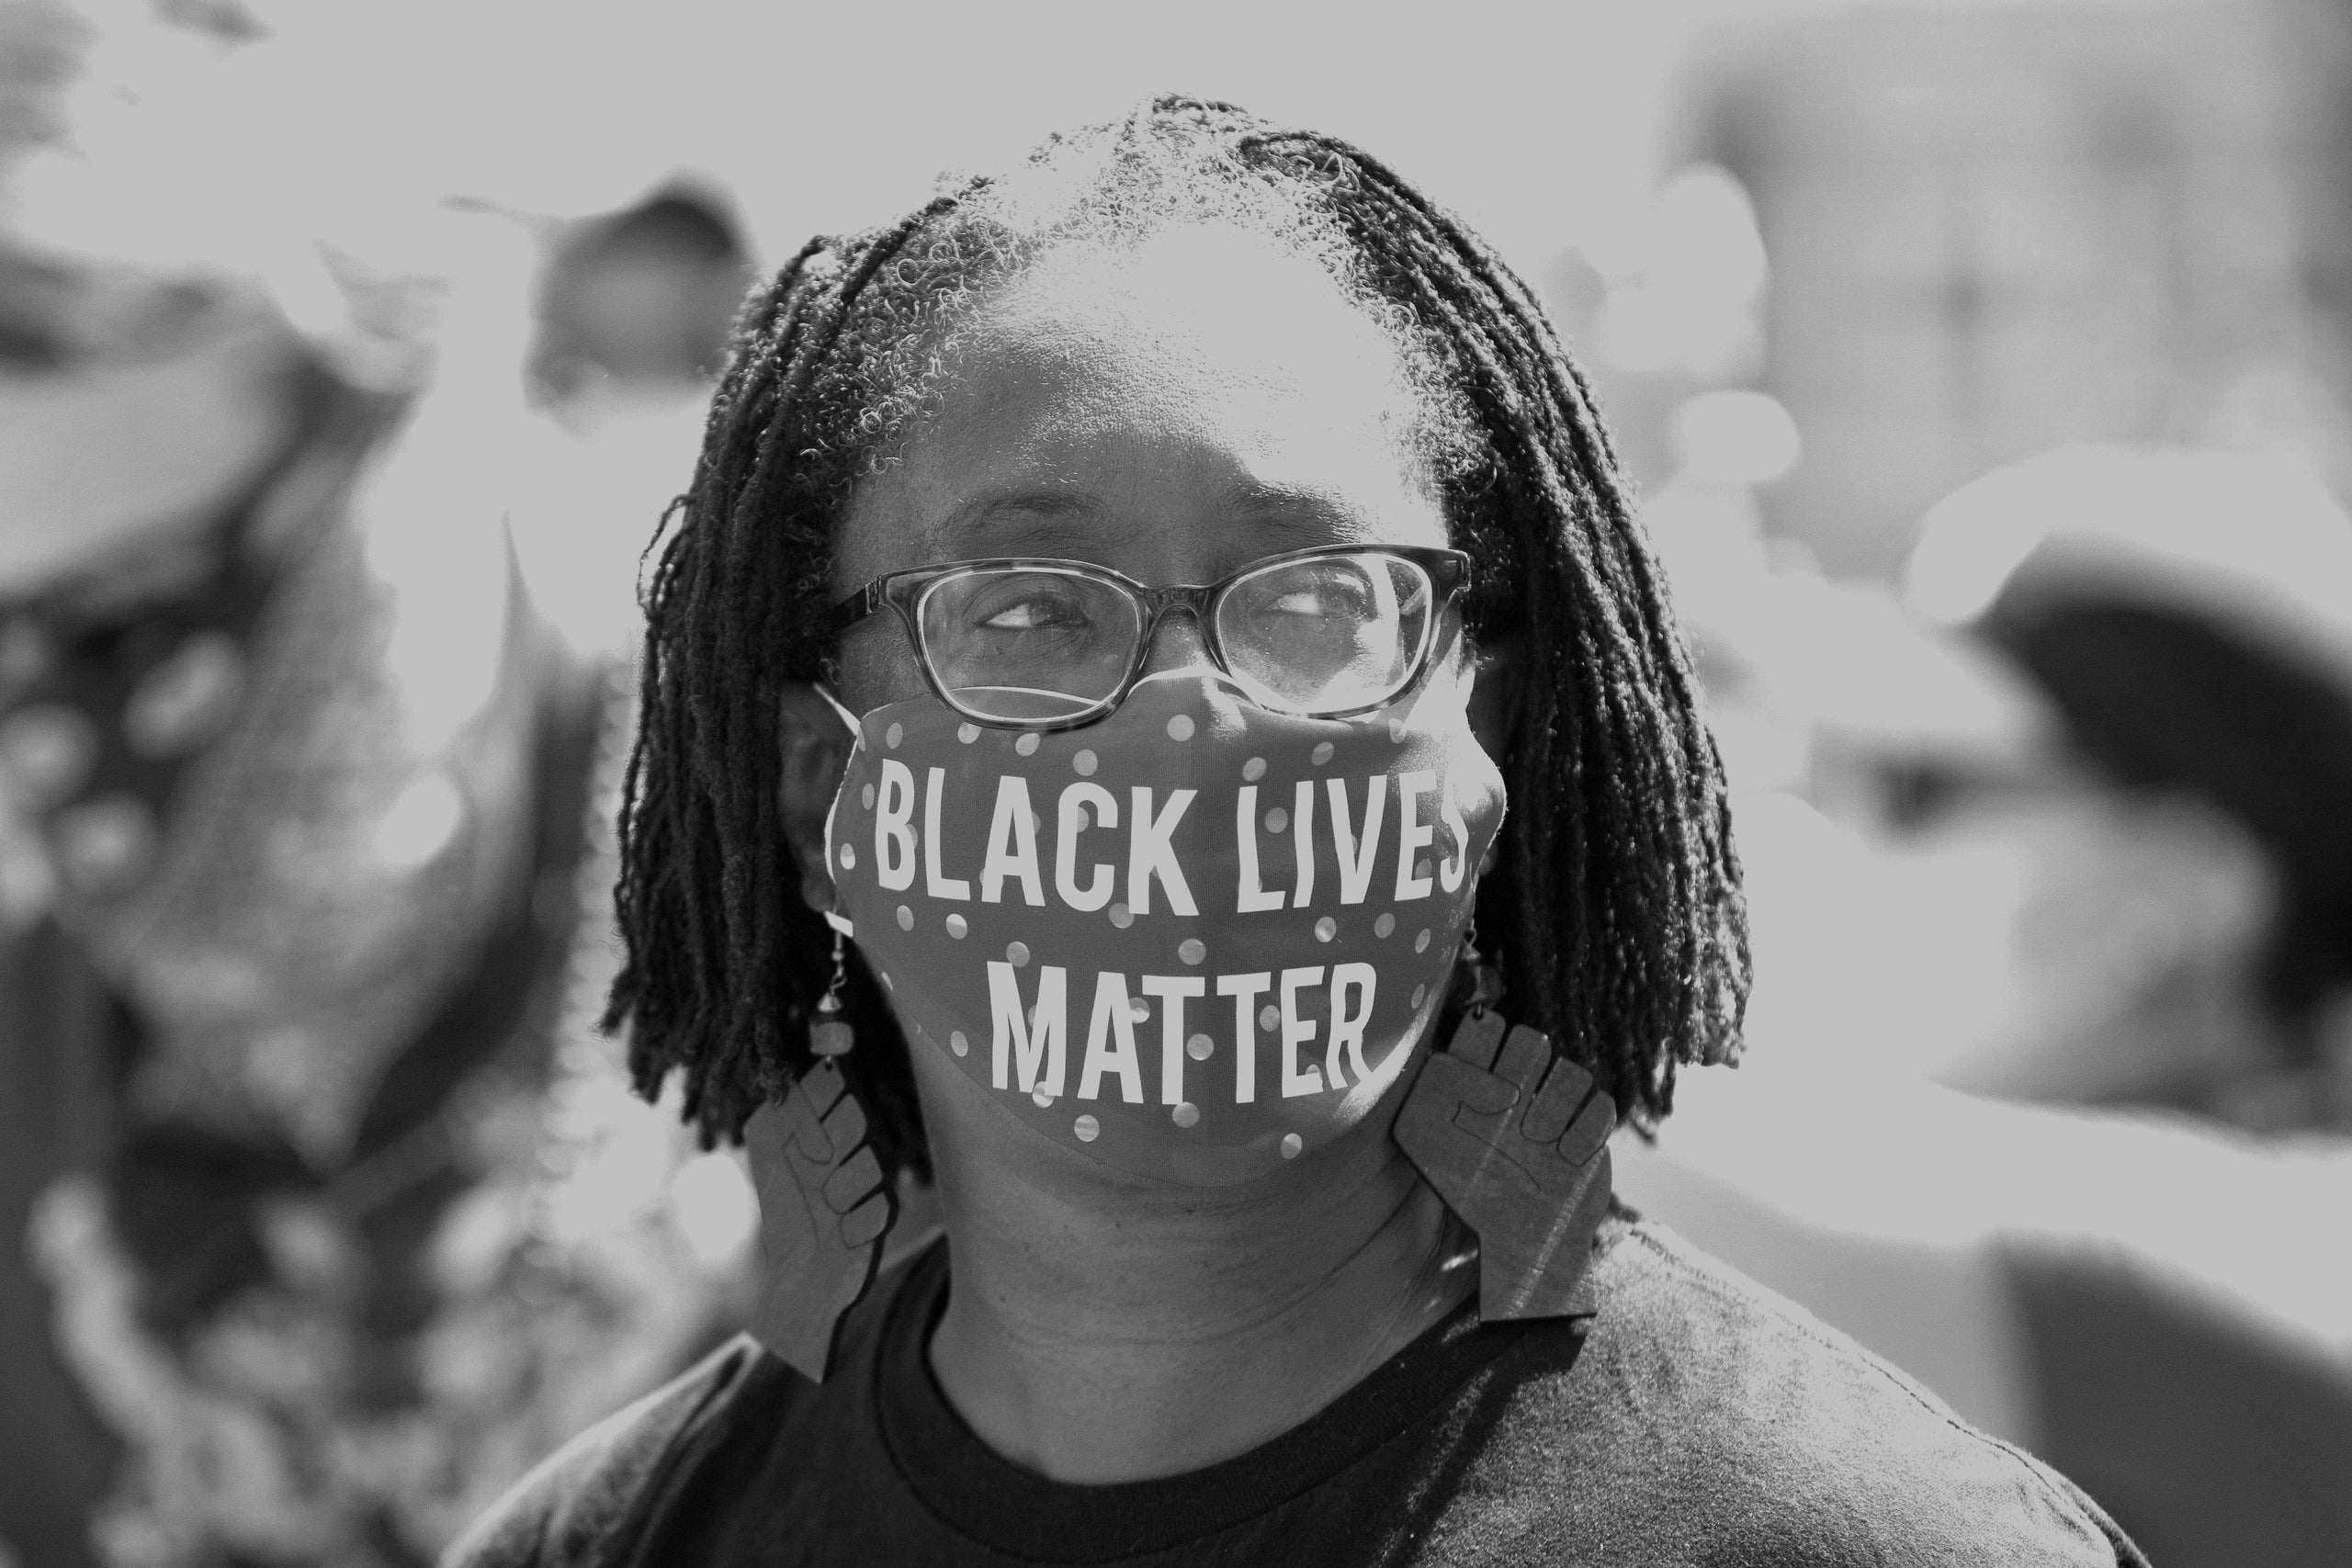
(1538, 122)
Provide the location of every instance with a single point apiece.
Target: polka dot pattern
(188, 699)
(1056, 937)
(104, 845)
(48, 750)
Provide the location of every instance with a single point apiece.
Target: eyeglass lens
(1327, 634)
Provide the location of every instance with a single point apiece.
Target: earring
(1477, 980)
(1513, 1136)
(824, 1204)
(830, 1035)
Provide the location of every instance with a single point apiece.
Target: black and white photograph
(1034, 784)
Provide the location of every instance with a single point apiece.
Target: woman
(1158, 898)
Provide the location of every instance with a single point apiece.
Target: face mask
(1191, 940)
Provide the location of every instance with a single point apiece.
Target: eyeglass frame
(1448, 572)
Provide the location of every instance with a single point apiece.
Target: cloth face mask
(1191, 940)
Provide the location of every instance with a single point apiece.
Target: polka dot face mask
(1192, 941)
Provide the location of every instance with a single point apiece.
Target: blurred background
(1985, 371)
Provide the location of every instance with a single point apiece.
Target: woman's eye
(1326, 599)
(1034, 614)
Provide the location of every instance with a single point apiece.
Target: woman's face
(1199, 404)
(1172, 415)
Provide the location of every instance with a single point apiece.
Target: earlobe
(814, 735)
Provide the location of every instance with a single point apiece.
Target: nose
(1177, 644)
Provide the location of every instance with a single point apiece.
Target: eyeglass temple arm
(848, 612)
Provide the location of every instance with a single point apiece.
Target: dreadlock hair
(1615, 901)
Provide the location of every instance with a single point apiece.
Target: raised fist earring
(824, 1204)
(1514, 1137)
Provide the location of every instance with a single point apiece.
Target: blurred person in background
(636, 303)
(2190, 616)
(2079, 852)
(325, 1211)
(2078, 831)
(632, 314)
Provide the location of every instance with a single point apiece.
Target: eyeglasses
(1037, 644)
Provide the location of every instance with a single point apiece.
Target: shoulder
(621, 1483)
(570, 1511)
(1704, 1415)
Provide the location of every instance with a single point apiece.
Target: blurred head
(642, 296)
(2184, 612)
(1169, 346)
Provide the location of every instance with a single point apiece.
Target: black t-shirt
(1694, 1420)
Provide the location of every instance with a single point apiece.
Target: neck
(1099, 1334)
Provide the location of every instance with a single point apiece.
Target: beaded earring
(824, 1206)
(1477, 980)
(830, 1035)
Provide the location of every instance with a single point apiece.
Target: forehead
(1210, 383)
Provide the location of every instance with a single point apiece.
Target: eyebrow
(1259, 499)
(1025, 504)
(1255, 499)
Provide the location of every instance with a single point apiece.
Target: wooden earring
(824, 1206)
(1514, 1137)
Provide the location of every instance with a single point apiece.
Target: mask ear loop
(843, 926)
(849, 720)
